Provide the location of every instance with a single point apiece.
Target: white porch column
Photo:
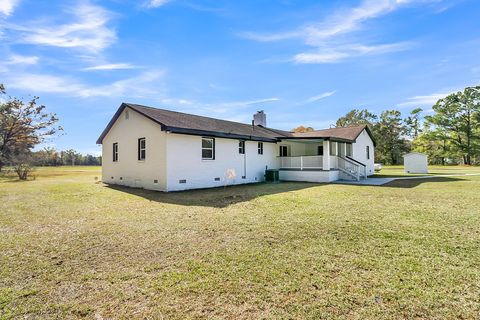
(326, 155)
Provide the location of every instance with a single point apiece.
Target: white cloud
(252, 102)
(112, 66)
(343, 52)
(7, 6)
(428, 100)
(87, 30)
(320, 57)
(139, 86)
(332, 37)
(321, 96)
(19, 59)
(156, 3)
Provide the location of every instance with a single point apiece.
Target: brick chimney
(260, 119)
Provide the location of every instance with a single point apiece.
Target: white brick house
(165, 150)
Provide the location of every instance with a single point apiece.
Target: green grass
(71, 247)
(398, 171)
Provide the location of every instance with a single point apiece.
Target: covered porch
(318, 160)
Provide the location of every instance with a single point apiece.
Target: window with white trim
(349, 150)
(241, 147)
(208, 149)
(115, 152)
(260, 148)
(142, 149)
(367, 149)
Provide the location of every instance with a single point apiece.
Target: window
(349, 150)
(283, 151)
(320, 151)
(208, 148)
(341, 149)
(368, 152)
(142, 149)
(241, 147)
(260, 148)
(333, 148)
(115, 152)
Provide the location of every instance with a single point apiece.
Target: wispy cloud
(320, 96)
(145, 84)
(19, 59)
(329, 55)
(332, 37)
(156, 3)
(7, 6)
(428, 100)
(87, 30)
(111, 66)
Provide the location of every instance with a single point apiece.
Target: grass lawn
(71, 247)
(398, 171)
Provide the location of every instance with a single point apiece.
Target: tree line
(52, 157)
(449, 133)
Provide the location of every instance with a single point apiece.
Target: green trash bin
(272, 175)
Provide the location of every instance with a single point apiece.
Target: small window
(260, 148)
(368, 152)
(208, 148)
(341, 149)
(115, 152)
(241, 147)
(320, 151)
(142, 149)
(349, 150)
(283, 151)
(127, 115)
(333, 148)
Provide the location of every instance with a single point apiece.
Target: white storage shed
(415, 162)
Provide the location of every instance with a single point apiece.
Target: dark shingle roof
(179, 122)
(347, 133)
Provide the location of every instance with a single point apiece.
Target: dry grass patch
(74, 248)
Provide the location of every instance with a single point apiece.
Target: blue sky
(303, 62)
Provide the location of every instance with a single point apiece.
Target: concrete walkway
(382, 181)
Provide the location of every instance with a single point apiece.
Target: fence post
(301, 163)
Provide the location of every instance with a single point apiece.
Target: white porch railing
(301, 162)
(352, 168)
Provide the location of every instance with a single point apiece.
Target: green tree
(389, 133)
(413, 123)
(356, 117)
(71, 157)
(458, 115)
(23, 125)
(435, 144)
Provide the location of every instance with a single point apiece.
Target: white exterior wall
(415, 163)
(128, 170)
(360, 153)
(184, 162)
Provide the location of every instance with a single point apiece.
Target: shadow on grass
(220, 197)
(415, 182)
